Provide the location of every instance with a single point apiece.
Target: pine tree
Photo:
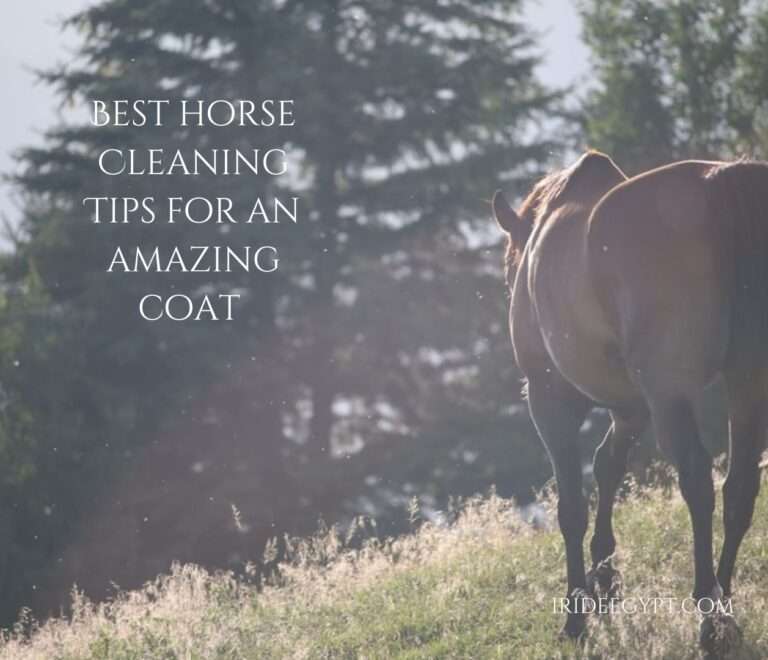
(408, 115)
(667, 79)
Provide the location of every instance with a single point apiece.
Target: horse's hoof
(604, 581)
(719, 636)
(574, 630)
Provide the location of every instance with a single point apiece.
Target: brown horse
(635, 295)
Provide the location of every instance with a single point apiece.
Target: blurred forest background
(375, 366)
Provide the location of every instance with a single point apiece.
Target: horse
(635, 295)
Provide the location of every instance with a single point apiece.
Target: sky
(32, 40)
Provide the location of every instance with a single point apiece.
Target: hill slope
(482, 587)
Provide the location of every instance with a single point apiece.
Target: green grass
(482, 587)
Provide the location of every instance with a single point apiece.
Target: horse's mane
(577, 183)
(589, 177)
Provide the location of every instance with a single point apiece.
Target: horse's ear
(505, 215)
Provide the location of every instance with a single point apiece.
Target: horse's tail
(739, 194)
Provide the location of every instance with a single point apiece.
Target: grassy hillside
(479, 588)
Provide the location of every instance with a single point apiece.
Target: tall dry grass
(480, 587)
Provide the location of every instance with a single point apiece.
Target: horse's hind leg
(558, 411)
(748, 422)
(677, 434)
(610, 466)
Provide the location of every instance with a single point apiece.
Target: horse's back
(659, 258)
